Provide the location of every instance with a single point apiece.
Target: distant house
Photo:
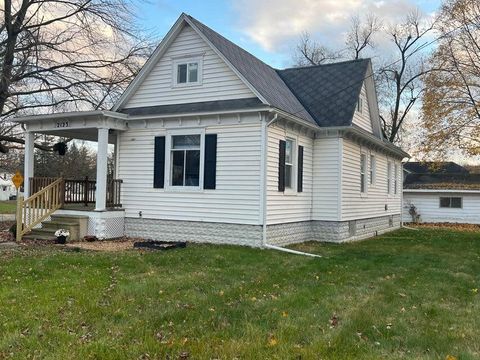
(441, 192)
(7, 188)
(214, 145)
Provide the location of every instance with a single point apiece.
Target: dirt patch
(105, 245)
(450, 226)
(5, 235)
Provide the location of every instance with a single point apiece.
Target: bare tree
(309, 52)
(59, 55)
(360, 36)
(451, 106)
(400, 82)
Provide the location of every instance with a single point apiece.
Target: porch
(98, 199)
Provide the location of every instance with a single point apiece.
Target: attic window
(360, 105)
(187, 72)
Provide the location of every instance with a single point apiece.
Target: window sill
(290, 192)
(186, 85)
(184, 189)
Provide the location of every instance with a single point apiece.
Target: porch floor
(82, 207)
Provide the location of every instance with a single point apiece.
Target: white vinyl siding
(357, 205)
(428, 207)
(218, 81)
(289, 206)
(362, 119)
(236, 198)
(326, 179)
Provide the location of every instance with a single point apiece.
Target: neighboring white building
(7, 188)
(441, 193)
(213, 145)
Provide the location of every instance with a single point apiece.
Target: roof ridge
(324, 65)
(241, 48)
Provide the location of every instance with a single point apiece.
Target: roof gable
(329, 92)
(261, 76)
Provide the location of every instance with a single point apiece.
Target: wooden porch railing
(36, 208)
(81, 191)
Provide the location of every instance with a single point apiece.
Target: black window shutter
(300, 169)
(159, 163)
(209, 177)
(281, 166)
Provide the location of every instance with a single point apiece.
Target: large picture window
(185, 160)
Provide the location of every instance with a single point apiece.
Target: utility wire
(421, 47)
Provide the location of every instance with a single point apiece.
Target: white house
(7, 188)
(213, 145)
(441, 192)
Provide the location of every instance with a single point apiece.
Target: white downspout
(264, 193)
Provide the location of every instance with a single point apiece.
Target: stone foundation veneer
(194, 231)
(330, 231)
(251, 235)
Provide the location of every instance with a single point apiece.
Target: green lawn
(404, 295)
(8, 207)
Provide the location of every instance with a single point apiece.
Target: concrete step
(38, 237)
(59, 224)
(68, 218)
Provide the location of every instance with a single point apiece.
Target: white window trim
(365, 172)
(450, 207)
(389, 177)
(168, 159)
(185, 60)
(395, 178)
(359, 107)
(294, 188)
(373, 170)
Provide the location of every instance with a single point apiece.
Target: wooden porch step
(59, 221)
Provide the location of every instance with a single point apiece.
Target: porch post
(29, 161)
(102, 155)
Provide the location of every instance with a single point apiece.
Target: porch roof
(81, 125)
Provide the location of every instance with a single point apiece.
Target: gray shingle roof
(197, 107)
(262, 77)
(328, 92)
(434, 167)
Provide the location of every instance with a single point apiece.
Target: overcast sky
(270, 28)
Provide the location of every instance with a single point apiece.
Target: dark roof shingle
(328, 92)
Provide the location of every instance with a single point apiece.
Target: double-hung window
(389, 177)
(185, 160)
(363, 165)
(373, 166)
(289, 163)
(395, 179)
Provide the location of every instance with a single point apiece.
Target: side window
(395, 179)
(289, 163)
(451, 202)
(373, 169)
(363, 164)
(389, 177)
(360, 105)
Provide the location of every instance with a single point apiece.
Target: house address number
(62, 124)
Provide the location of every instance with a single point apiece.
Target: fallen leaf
(284, 314)
(450, 357)
(334, 320)
(272, 340)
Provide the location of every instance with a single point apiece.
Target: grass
(404, 295)
(8, 207)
